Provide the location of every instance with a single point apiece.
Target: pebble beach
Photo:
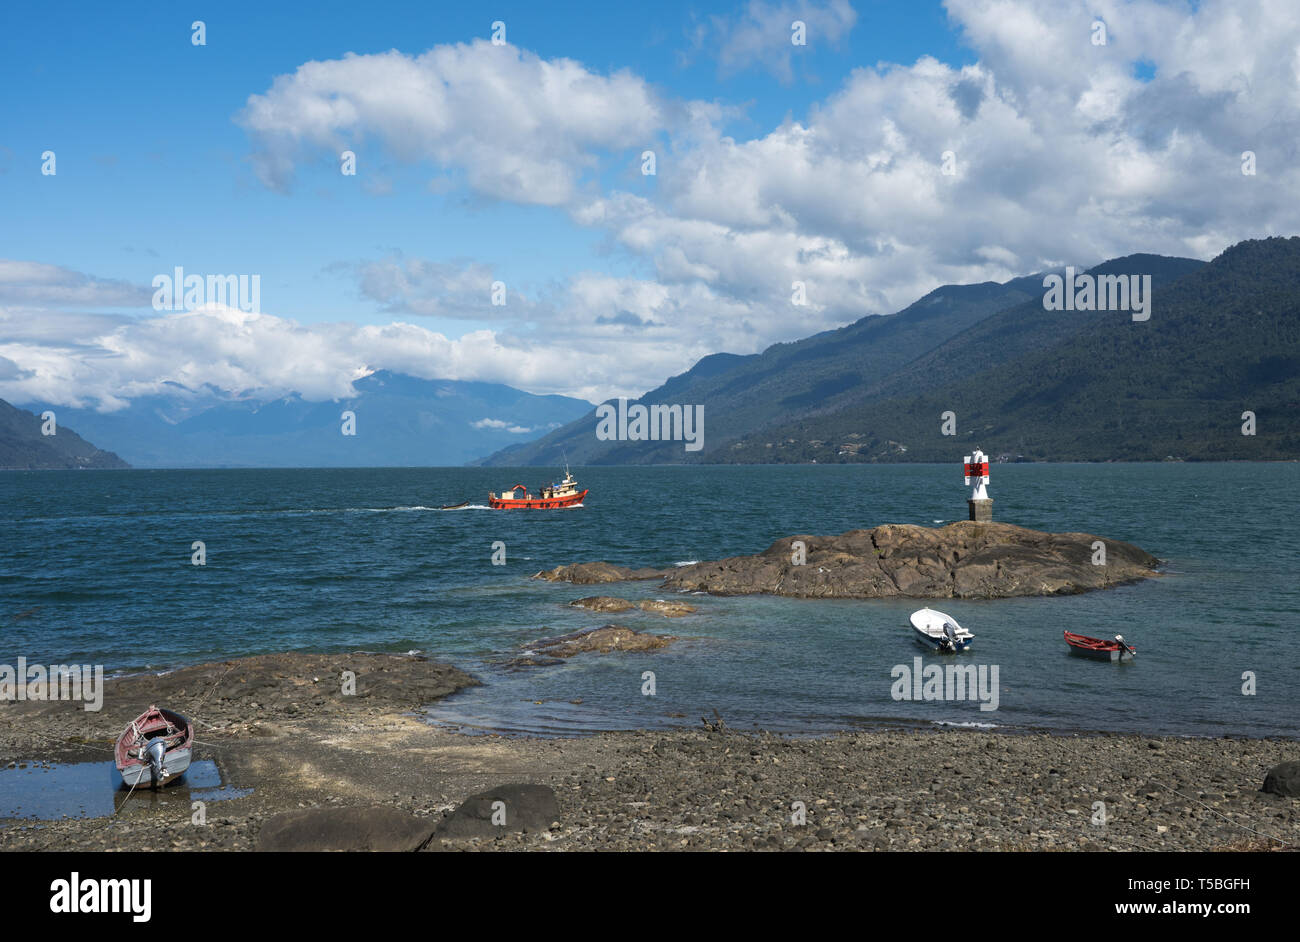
(289, 742)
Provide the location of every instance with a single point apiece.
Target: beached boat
(1100, 648)
(940, 631)
(564, 494)
(155, 749)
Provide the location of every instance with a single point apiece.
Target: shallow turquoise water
(95, 568)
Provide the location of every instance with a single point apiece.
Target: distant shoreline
(681, 464)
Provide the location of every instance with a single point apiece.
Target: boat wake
(967, 725)
(387, 510)
(464, 507)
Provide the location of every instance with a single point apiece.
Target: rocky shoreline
(963, 560)
(362, 771)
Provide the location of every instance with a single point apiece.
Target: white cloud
(519, 127)
(23, 282)
(502, 425)
(247, 353)
(1062, 154)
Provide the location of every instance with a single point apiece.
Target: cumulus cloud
(104, 361)
(1061, 151)
(246, 354)
(520, 127)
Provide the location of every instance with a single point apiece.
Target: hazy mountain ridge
(400, 421)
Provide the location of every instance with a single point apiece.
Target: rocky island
(964, 560)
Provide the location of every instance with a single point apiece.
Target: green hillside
(1093, 386)
(23, 447)
(810, 377)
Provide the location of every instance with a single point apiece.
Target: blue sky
(151, 161)
(821, 163)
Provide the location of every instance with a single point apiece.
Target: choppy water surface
(95, 568)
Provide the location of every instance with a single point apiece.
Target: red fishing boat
(1100, 648)
(564, 494)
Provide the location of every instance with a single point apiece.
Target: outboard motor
(153, 754)
(951, 633)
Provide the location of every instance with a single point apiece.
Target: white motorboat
(941, 632)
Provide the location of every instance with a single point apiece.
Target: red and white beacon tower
(977, 472)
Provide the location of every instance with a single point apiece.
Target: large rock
(1284, 780)
(961, 560)
(375, 828)
(524, 807)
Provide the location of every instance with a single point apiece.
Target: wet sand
(281, 726)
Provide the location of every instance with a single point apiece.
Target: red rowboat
(564, 494)
(1100, 648)
(156, 748)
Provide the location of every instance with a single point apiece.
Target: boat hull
(1095, 655)
(1098, 649)
(176, 764)
(537, 503)
(938, 643)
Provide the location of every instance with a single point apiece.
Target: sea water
(97, 568)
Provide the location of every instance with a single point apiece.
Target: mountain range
(988, 365)
(399, 421)
(1213, 373)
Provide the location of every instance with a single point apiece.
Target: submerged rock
(606, 603)
(603, 603)
(601, 640)
(668, 609)
(592, 573)
(964, 560)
